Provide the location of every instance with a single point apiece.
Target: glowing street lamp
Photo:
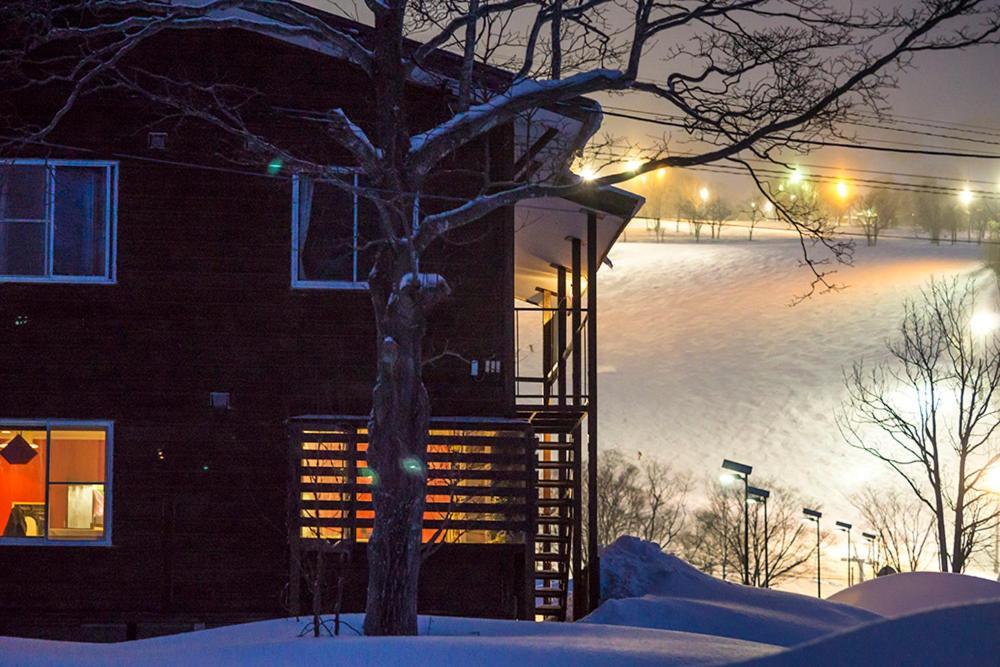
(741, 471)
(870, 538)
(633, 164)
(846, 527)
(965, 197)
(795, 178)
(768, 207)
(983, 323)
(813, 515)
(842, 190)
(704, 194)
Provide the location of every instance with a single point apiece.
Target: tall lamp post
(742, 471)
(846, 527)
(761, 496)
(870, 538)
(814, 516)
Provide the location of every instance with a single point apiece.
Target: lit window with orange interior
(54, 483)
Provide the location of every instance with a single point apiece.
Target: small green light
(413, 466)
(204, 468)
(274, 166)
(369, 473)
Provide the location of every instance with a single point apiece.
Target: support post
(579, 602)
(594, 581)
(294, 518)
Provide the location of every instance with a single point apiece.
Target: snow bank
(909, 592)
(644, 587)
(953, 636)
(456, 641)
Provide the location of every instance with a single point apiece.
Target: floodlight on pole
(813, 515)
(846, 527)
(741, 470)
(761, 495)
(870, 538)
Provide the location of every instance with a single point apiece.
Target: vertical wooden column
(594, 565)
(579, 603)
(531, 523)
(294, 518)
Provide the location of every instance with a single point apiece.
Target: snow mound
(909, 592)
(953, 636)
(644, 587)
(449, 641)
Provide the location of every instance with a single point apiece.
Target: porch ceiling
(544, 226)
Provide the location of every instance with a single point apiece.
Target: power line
(828, 144)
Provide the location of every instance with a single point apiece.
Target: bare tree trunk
(397, 454)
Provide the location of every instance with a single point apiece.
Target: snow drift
(449, 641)
(953, 636)
(644, 587)
(909, 592)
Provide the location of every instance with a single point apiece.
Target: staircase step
(550, 539)
(555, 465)
(550, 592)
(550, 609)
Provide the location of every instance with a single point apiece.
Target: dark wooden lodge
(184, 375)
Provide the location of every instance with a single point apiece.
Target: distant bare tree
(930, 413)
(714, 541)
(877, 210)
(754, 216)
(645, 498)
(903, 525)
(718, 211)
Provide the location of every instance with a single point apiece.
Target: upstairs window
(333, 229)
(55, 482)
(57, 221)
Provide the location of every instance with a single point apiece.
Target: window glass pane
(22, 192)
(22, 248)
(326, 232)
(77, 456)
(76, 511)
(79, 221)
(22, 484)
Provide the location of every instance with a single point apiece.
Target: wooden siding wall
(203, 303)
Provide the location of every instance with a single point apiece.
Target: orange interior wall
(22, 484)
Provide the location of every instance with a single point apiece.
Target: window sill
(41, 542)
(330, 285)
(59, 280)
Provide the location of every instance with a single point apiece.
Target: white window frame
(58, 424)
(110, 222)
(301, 283)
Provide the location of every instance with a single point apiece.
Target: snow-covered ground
(662, 612)
(702, 358)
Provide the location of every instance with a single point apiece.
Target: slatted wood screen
(480, 480)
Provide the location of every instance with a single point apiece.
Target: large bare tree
(743, 77)
(932, 411)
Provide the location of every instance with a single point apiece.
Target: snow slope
(444, 641)
(703, 359)
(645, 587)
(948, 637)
(909, 592)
